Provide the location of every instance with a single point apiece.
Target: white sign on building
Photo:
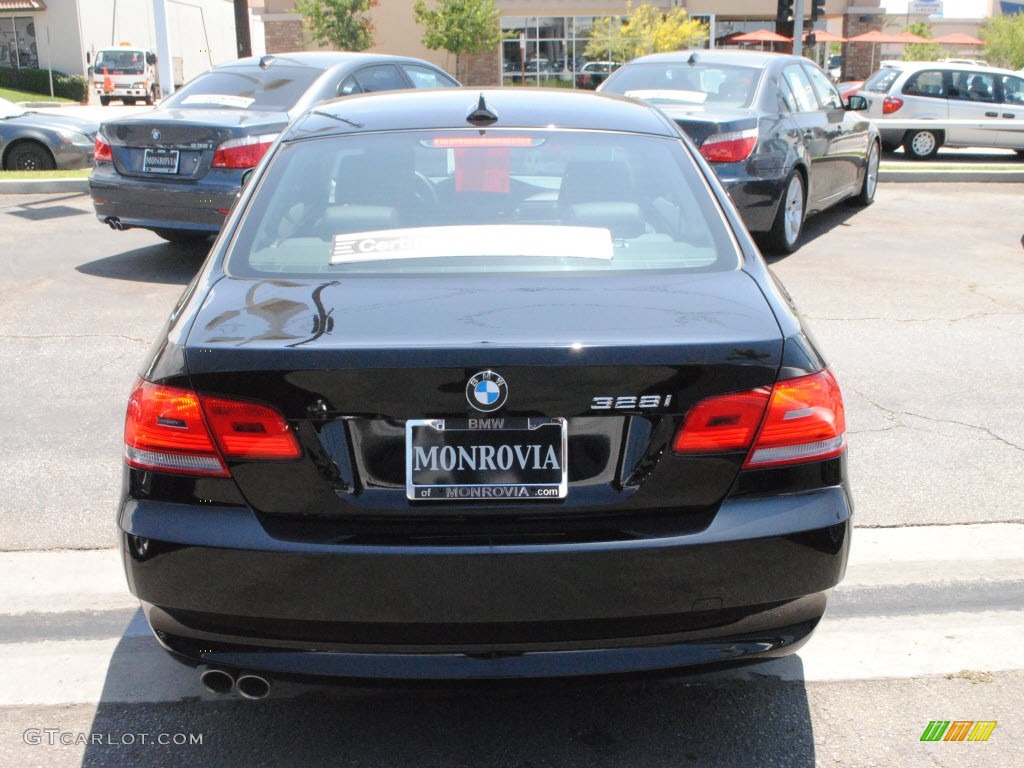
(926, 7)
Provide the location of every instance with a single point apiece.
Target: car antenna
(482, 115)
(693, 59)
(265, 60)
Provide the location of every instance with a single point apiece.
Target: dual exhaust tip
(249, 686)
(115, 223)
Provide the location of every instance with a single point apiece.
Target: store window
(544, 50)
(18, 47)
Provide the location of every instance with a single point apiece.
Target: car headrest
(596, 181)
(623, 220)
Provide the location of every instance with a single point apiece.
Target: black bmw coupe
(482, 385)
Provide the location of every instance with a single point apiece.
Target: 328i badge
(515, 396)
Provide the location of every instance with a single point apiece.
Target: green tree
(1004, 40)
(646, 29)
(458, 27)
(340, 24)
(922, 51)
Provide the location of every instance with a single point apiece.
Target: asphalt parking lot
(918, 301)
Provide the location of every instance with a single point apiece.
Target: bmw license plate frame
(162, 166)
(486, 459)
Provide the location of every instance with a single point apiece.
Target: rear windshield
(708, 82)
(275, 89)
(882, 80)
(470, 202)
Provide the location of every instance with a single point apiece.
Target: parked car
(773, 127)
(34, 141)
(177, 169)
(929, 90)
(835, 66)
(593, 73)
(486, 390)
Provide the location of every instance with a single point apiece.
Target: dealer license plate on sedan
(486, 459)
(160, 161)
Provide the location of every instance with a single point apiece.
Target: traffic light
(817, 9)
(784, 11)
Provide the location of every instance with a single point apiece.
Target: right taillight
(729, 147)
(176, 430)
(101, 151)
(245, 152)
(891, 104)
(798, 420)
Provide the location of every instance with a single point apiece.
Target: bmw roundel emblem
(486, 391)
(155, 134)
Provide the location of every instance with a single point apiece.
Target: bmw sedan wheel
(789, 221)
(867, 189)
(30, 157)
(922, 145)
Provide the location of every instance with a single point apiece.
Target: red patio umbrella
(824, 36)
(875, 37)
(761, 36)
(958, 38)
(910, 37)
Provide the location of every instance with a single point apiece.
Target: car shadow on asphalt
(821, 224)
(725, 718)
(165, 263)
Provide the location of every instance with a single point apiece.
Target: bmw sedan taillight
(177, 430)
(797, 420)
(729, 147)
(101, 152)
(243, 153)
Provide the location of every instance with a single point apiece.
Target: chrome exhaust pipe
(115, 223)
(217, 681)
(253, 687)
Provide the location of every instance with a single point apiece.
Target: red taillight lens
(242, 153)
(806, 421)
(723, 423)
(729, 147)
(245, 430)
(164, 430)
(800, 420)
(891, 104)
(176, 430)
(101, 151)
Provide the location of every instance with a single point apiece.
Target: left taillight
(245, 152)
(729, 147)
(101, 152)
(177, 430)
(798, 420)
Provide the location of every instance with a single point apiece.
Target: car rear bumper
(156, 204)
(218, 590)
(757, 196)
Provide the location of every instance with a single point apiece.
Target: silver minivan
(980, 101)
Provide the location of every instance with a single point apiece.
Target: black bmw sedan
(176, 170)
(777, 132)
(482, 385)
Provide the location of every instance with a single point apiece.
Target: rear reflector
(799, 420)
(891, 104)
(243, 153)
(176, 430)
(730, 147)
(101, 152)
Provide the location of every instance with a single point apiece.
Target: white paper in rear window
(218, 100)
(503, 240)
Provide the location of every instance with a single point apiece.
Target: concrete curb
(44, 186)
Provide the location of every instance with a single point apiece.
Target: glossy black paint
(197, 198)
(321, 566)
(829, 147)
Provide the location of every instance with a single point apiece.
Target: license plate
(160, 161)
(486, 459)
